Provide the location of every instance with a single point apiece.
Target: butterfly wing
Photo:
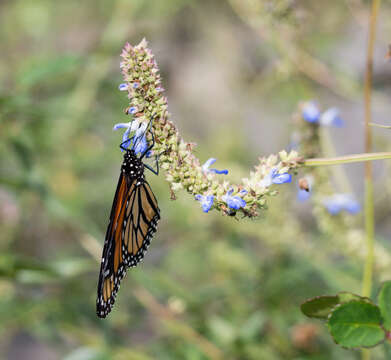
(142, 217)
(133, 221)
(112, 268)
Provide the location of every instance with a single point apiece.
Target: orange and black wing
(142, 216)
(112, 268)
(133, 221)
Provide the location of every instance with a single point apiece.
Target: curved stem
(347, 159)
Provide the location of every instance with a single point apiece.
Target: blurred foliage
(210, 287)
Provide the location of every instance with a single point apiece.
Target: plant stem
(366, 157)
(379, 125)
(369, 204)
(369, 211)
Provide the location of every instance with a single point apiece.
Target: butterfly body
(133, 168)
(133, 220)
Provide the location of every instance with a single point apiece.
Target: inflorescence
(148, 110)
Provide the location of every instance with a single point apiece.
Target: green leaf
(384, 301)
(356, 324)
(344, 297)
(319, 307)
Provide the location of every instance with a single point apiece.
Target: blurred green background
(210, 287)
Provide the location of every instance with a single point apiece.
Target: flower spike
(182, 168)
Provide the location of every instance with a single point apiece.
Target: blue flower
(303, 195)
(125, 136)
(211, 161)
(331, 117)
(206, 201)
(132, 110)
(135, 85)
(338, 202)
(123, 87)
(310, 112)
(275, 178)
(304, 188)
(139, 140)
(234, 202)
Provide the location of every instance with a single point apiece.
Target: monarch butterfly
(133, 220)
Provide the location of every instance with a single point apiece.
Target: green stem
(347, 159)
(369, 212)
(369, 208)
(379, 125)
(370, 236)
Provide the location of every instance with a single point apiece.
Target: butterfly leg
(122, 145)
(150, 146)
(156, 172)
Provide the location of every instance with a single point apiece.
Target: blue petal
(207, 203)
(338, 122)
(333, 208)
(148, 154)
(230, 191)
(125, 136)
(209, 162)
(140, 145)
(140, 131)
(282, 178)
(273, 172)
(331, 118)
(123, 87)
(121, 126)
(303, 195)
(338, 202)
(352, 206)
(235, 202)
(225, 171)
(125, 144)
(310, 112)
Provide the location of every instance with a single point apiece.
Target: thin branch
(369, 203)
(347, 159)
